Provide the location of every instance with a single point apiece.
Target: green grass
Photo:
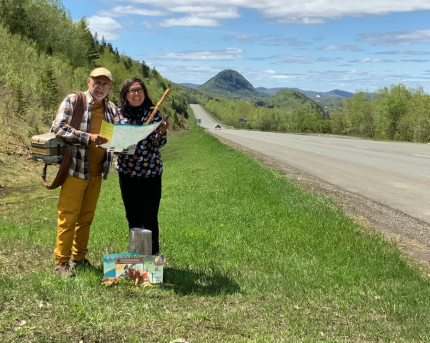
(252, 259)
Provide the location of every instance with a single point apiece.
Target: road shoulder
(411, 235)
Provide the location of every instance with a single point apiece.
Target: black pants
(141, 197)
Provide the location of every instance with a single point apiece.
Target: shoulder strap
(78, 114)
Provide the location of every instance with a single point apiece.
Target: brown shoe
(63, 269)
(81, 263)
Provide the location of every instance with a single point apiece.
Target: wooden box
(47, 148)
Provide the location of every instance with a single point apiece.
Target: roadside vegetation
(391, 113)
(261, 118)
(252, 259)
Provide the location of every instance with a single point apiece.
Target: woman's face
(135, 95)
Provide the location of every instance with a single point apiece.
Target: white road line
(421, 155)
(362, 147)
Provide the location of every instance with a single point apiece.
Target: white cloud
(371, 60)
(227, 54)
(326, 59)
(292, 12)
(105, 27)
(416, 61)
(207, 12)
(270, 71)
(396, 38)
(402, 52)
(284, 41)
(298, 59)
(190, 21)
(240, 37)
(340, 48)
(280, 77)
(265, 40)
(124, 10)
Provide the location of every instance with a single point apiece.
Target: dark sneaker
(81, 263)
(63, 269)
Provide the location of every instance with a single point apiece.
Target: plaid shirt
(80, 139)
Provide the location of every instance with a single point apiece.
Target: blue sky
(316, 45)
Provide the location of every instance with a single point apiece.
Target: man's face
(99, 87)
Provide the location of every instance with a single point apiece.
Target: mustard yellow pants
(76, 207)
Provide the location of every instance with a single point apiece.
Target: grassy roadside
(252, 258)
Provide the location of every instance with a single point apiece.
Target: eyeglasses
(135, 91)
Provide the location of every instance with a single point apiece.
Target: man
(80, 191)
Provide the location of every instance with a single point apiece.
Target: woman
(140, 173)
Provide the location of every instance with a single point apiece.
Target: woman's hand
(164, 126)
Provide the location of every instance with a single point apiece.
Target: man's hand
(164, 126)
(98, 139)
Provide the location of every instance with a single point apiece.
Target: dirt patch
(411, 235)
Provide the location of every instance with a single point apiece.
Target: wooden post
(140, 240)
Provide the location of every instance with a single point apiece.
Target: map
(124, 137)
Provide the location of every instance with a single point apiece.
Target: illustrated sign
(197, 121)
(132, 266)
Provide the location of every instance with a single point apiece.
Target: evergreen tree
(93, 53)
(102, 45)
(96, 39)
(21, 104)
(50, 97)
(110, 47)
(155, 74)
(145, 70)
(128, 62)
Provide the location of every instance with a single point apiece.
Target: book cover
(153, 265)
(129, 267)
(109, 262)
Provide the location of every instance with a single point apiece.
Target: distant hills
(310, 94)
(190, 85)
(231, 83)
(225, 83)
(290, 99)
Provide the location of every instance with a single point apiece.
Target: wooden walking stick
(166, 93)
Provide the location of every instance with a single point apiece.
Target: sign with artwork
(132, 266)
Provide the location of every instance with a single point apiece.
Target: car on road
(218, 126)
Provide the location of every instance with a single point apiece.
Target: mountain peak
(231, 83)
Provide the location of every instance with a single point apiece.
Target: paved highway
(392, 173)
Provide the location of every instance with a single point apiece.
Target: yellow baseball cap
(101, 72)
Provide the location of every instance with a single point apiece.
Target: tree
(50, 97)
(415, 125)
(145, 70)
(391, 108)
(359, 115)
(93, 52)
(21, 103)
(13, 15)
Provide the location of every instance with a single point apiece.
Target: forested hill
(44, 56)
(289, 99)
(232, 84)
